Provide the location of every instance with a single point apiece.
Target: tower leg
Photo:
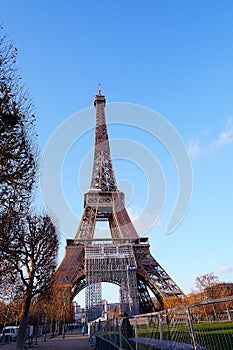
(129, 294)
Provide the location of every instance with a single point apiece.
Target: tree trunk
(23, 326)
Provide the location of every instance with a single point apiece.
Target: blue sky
(173, 57)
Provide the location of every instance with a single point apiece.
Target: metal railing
(206, 325)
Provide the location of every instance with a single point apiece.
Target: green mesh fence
(206, 325)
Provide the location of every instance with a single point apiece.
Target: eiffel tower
(125, 258)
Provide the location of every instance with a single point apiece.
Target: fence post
(115, 330)
(136, 333)
(191, 330)
(160, 327)
(91, 333)
(120, 334)
(228, 315)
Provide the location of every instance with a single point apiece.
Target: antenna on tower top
(99, 91)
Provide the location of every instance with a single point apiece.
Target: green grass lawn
(212, 336)
(215, 336)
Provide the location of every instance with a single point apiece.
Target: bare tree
(206, 281)
(18, 155)
(207, 284)
(10, 298)
(55, 307)
(31, 248)
(28, 243)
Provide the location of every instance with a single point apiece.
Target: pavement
(72, 341)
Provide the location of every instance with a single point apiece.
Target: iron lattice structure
(125, 258)
(118, 265)
(93, 297)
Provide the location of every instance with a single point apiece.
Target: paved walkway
(72, 341)
(165, 344)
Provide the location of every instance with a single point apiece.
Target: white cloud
(194, 148)
(201, 146)
(142, 221)
(222, 270)
(134, 212)
(226, 136)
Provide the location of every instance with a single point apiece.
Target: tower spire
(99, 91)
(103, 177)
(103, 201)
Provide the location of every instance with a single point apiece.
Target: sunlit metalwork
(123, 259)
